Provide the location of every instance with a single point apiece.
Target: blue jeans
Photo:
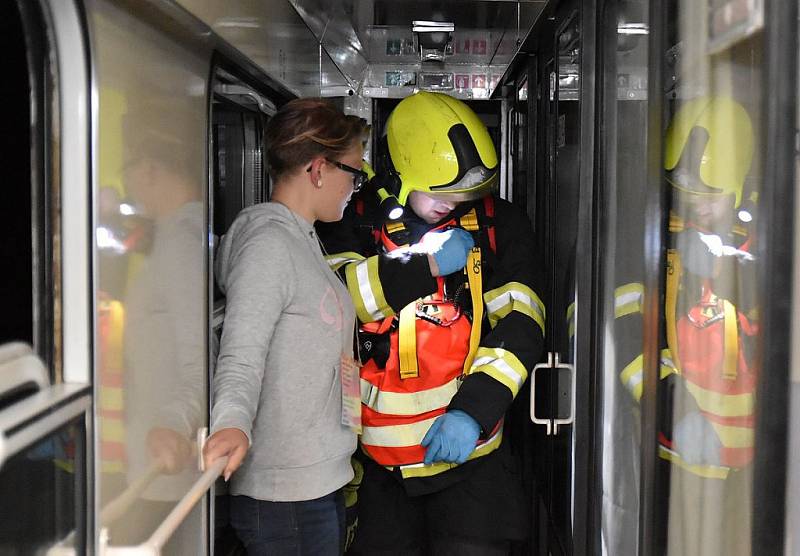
(310, 527)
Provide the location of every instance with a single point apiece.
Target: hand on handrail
(230, 442)
(170, 449)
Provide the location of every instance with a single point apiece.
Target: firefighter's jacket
(707, 349)
(387, 292)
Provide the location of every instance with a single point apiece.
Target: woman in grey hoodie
(279, 411)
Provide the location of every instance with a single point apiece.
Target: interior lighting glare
(632, 29)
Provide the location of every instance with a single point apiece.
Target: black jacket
(513, 265)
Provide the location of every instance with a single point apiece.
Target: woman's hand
(226, 442)
(170, 449)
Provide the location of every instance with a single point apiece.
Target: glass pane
(563, 210)
(16, 281)
(520, 150)
(151, 278)
(708, 365)
(624, 279)
(792, 526)
(47, 483)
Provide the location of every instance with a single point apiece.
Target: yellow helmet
(438, 145)
(709, 147)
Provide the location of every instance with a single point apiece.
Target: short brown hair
(306, 128)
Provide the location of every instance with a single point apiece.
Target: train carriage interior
(652, 146)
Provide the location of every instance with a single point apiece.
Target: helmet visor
(476, 182)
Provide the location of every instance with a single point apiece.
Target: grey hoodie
(287, 321)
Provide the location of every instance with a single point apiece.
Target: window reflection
(164, 400)
(623, 339)
(708, 366)
(151, 276)
(711, 328)
(47, 483)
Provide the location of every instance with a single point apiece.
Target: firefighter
(707, 356)
(450, 323)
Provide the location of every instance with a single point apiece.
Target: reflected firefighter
(451, 322)
(707, 359)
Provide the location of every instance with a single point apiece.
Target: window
(47, 481)
(26, 291)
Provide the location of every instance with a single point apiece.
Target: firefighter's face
(711, 212)
(431, 209)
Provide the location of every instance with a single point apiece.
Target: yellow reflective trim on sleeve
(571, 320)
(708, 471)
(628, 299)
(666, 361)
(501, 365)
(366, 290)
(724, 405)
(338, 260)
(354, 287)
(110, 398)
(377, 288)
(632, 376)
(514, 296)
(407, 403)
(734, 437)
(422, 470)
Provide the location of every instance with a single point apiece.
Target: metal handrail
(153, 545)
(115, 509)
(120, 505)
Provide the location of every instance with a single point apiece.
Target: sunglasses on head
(360, 177)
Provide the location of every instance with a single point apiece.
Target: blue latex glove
(451, 438)
(696, 440)
(695, 255)
(451, 254)
(700, 252)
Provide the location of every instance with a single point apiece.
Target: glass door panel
(151, 279)
(560, 111)
(566, 116)
(520, 144)
(625, 146)
(709, 367)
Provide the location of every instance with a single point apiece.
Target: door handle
(551, 425)
(571, 419)
(548, 423)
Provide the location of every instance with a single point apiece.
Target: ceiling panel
(271, 33)
(368, 45)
